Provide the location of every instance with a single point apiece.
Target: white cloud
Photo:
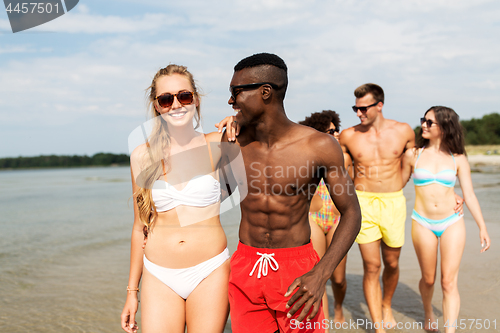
(4, 25)
(82, 8)
(17, 49)
(422, 53)
(83, 22)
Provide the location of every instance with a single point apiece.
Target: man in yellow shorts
(383, 217)
(376, 146)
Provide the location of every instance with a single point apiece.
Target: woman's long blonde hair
(158, 146)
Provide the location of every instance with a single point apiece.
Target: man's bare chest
(280, 168)
(366, 148)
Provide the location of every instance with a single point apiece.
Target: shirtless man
(275, 270)
(376, 147)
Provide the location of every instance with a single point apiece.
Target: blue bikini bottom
(436, 226)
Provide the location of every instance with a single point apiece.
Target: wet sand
(64, 261)
(484, 163)
(479, 279)
(484, 159)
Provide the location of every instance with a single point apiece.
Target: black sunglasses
(166, 100)
(428, 122)
(363, 108)
(235, 90)
(332, 131)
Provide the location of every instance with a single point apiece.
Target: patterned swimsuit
(325, 217)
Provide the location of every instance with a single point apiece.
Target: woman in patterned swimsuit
(323, 215)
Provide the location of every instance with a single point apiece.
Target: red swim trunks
(258, 282)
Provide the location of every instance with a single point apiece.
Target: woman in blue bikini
(436, 162)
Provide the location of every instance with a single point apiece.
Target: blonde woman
(437, 161)
(176, 191)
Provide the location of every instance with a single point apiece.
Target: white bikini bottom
(184, 280)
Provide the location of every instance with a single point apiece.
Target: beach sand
(479, 280)
(479, 277)
(64, 261)
(484, 163)
(484, 159)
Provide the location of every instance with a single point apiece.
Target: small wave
(487, 185)
(117, 180)
(108, 180)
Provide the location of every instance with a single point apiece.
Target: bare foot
(389, 321)
(339, 316)
(431, 324)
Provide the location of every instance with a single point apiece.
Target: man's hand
(232, 127)
(459, 208)
(310, 292)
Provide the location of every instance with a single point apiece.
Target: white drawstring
(265, 260)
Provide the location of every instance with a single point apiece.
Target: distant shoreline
(66, 167)
(489, 150)
(63, 161)
(484, 158)
(484, 163)
(481, 159)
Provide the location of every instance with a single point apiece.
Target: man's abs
(274, 230)
(381, 178)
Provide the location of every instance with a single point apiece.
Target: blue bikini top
(422, 177)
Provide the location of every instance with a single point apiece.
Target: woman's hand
(485, 240)
(129, 311)
(232, 127)
(459, 208)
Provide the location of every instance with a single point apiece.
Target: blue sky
(76, 85)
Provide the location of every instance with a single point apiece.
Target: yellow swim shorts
(383, 217)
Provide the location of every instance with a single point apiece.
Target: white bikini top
(200, 191)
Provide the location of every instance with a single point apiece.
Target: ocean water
(65, 240)
(64, 248)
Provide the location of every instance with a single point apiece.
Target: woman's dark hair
(451, 130)
(320, 121)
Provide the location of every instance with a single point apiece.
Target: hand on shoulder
(411, 151)
(213, 137)
(410, 155)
